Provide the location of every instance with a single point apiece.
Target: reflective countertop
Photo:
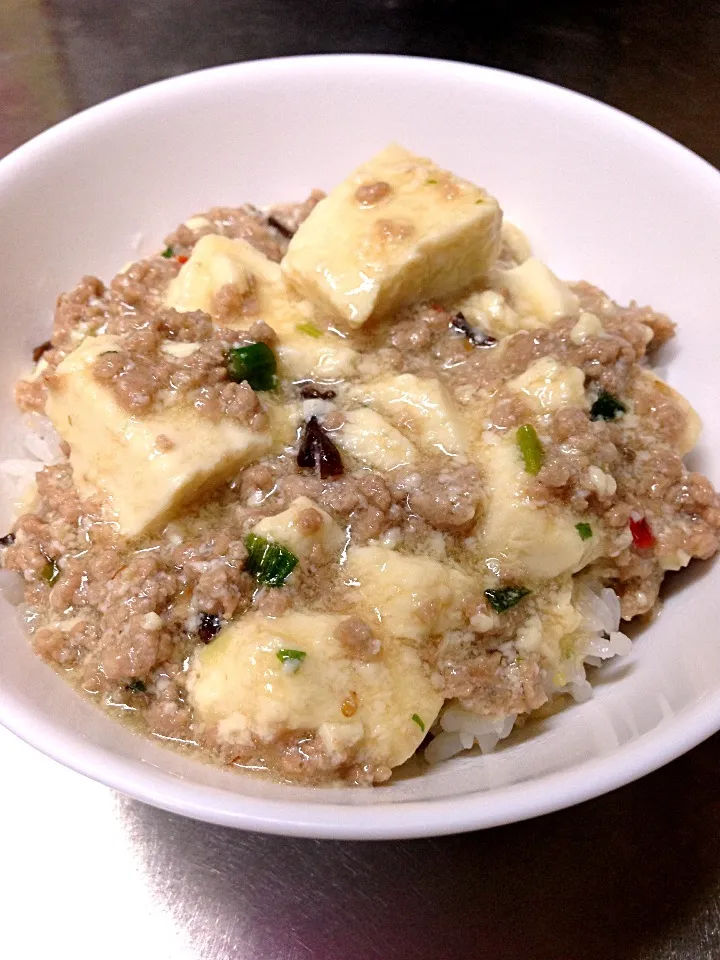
(87, 873)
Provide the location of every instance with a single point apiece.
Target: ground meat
(491, 685)
(87, 308)
(143, 284)
(232, 303)
(130, 650)
(357, 638)
(309, 521)
(662, 327)
(142, 369)
(238, 223)
(446, 501)
(30, 395)
(577, 448)
(370, 194)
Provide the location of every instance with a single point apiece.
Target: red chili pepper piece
(181, 259)
(642, 535)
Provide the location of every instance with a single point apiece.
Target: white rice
(42, 445)
(600, 639)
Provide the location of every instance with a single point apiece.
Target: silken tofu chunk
(536, 291)
(262, 678)
(217, 262)
(373, 441)
(419, 407)
(414, 597)
(399, 229)
(220, 266)
(548, 385)
(522, 537)
(145, 466)
(305, 528)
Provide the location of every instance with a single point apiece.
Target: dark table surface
(635, 874)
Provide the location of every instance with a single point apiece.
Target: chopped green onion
(167, 253)
(607, 407)
(585, 530)
(530, 448)
(416, 719)
(309, 328)
(136, 686)
(254, 362)
(270, 563)
(50, 572)
(291, 657)
(502, 598)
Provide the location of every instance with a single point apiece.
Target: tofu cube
(548, 385)
(238, 685)
(373, 441)
(397, 230)
(288, 529)
(413, 597)
(117, 455)
(536, 291)
(421, 408)
(527, 540)
(218, 261)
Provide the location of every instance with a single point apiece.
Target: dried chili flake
(642, 535)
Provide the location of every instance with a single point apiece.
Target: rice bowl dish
(333, 482)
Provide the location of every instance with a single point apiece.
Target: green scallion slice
(167, 253)
(291, 657)
(416, 719)
(585, 530)
(309, 329)
(502, 598)
(607, 407)
(531, 449)
(254, 362)
(50, 572)
(270, 563)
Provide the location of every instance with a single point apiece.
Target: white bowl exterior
(602, 197)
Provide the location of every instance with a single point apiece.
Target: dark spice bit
(280, 227)
(8, 540)
(136, 686)
(476, 337)
(39, 351)
(210, 625)
(317, 451)
(311, 391)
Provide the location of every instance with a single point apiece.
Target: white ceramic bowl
(602, 196)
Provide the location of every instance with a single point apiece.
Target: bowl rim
(388, 820)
